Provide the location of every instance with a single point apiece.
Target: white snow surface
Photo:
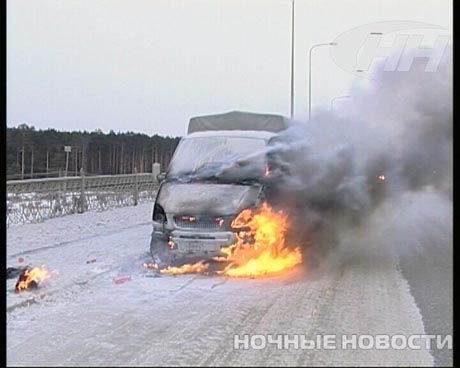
(80, 317)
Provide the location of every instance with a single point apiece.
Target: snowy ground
(81, 317)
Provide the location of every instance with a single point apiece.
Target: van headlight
(159, 214)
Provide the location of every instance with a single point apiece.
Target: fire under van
(216, 172)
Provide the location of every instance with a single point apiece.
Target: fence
(39, 199)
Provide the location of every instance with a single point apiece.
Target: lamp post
(292, 59)
(337, 98)
(67, 150)
(370, 34)
(309, 71)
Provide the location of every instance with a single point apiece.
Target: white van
(215, 173)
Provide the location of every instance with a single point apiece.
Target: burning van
(217, 171)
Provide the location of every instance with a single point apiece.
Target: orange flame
(187, 268)
(261, 246)
(32, 277)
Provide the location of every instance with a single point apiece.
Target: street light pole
(370, 34)
(309, 72)
(336, 98)
(67, 150)
(66, 163)
(292, 59)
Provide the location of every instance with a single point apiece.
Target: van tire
(160, 252)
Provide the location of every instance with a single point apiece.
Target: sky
(148, 66)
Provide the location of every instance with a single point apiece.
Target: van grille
(201, 222)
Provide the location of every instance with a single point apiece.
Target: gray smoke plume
(394, 137)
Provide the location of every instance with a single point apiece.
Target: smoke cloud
(392, 137)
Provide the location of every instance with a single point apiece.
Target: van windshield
(211, 156)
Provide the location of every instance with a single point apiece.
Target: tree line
(35, 153)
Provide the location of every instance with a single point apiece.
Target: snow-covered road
(81, 317)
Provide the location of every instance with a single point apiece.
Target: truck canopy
(237, 120)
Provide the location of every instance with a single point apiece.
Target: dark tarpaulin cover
(237, 120)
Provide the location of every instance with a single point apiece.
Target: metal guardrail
(37, 175)
(36, 200)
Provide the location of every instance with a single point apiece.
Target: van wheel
(160, 252)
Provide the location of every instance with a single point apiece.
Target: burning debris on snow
(30, 277)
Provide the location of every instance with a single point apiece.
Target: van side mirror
(161, 176)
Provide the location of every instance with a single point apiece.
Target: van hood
(207, 198)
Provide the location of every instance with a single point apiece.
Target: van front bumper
(200, 243)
